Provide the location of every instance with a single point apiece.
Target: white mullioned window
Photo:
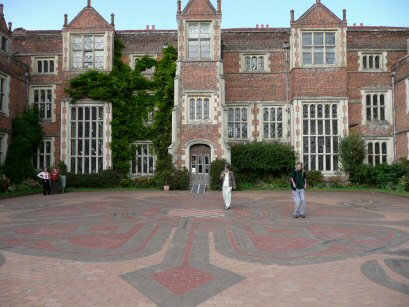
(3, 93)
(321, 136)
(199, 109)
(237, 123)
(87, 138)
(143, 163)
(88, 51)
(3, 148)
(4, 43)
(319, 48)
(375, 105)
(377, 152)
(372, 61)
(42, 99)
(45, 65)
(254, 63)
(273, 122)
(43, 155)
(199, 40)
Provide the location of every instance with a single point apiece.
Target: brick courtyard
(129, 248)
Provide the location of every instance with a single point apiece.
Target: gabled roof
(3, 25)
(199, 7)
(318, 12)
(89, 18)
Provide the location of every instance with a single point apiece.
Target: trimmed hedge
(104, 179)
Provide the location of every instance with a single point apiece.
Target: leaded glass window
(88, 51)
(143, 163)
(375, 106)
(42, 156)
(273, 122)
(87, 139)
(199, 40)
(254, 63)
(237, 123)
(199, 109)
(377, 152)
(43, 101)
(320, 136)
(318, 48)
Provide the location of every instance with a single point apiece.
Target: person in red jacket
(55, 184)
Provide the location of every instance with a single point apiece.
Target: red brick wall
(199, 76)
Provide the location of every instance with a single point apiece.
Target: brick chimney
(292, 15)
(153, 27)
(179, 6)
(89, 3)
(113, 19)
(147, 27)
(65, 20)
(318, 1)
(10, 26)
(1, 9)
(344, 12)
(219, 6)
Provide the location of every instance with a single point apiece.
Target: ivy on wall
(132, 100)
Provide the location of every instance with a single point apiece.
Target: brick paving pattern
(136, 248)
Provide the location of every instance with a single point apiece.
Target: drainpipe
(286, 47)
(395, 145)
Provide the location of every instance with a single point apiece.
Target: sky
(137, 14)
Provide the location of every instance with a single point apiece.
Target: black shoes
(302, 215)
(296, 216)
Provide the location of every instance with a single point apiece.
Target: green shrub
(180, 180)
(314, 178)
(104, 179)
(139, 182)
(216, 167)
(351, 153)
(164, 170)
(260, 158)
(26, 136)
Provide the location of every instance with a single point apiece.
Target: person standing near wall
(45, 177)
(228, 183)
(55, 184)
(298, 186)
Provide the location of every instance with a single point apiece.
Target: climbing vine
(132, 101)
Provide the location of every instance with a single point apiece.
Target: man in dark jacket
(298, 186)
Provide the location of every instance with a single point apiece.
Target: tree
(26, 136)
(351, 153)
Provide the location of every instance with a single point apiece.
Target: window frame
(276, 122)
(231, 124)
(4, 93)
(46, 88)
(317, 134)
(38, 154)
(387, 94)
(199, 40)
(4, 43)
(370, 159)
(193, 109)
(37, 60)
(74, 152)
(364, 60)
(137, 164)
(243, 63)
(3, 147)
(314, 46)
(83, 50)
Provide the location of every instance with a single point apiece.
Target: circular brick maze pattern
(116, 226)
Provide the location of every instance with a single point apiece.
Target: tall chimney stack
(292, 15)
(344, 15)
(219, 6)
(89, 3)
(113, 19)
(1, 9)
(65, 20)
(179, 6)
(10, 26)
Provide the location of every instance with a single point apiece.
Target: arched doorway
(199, 165)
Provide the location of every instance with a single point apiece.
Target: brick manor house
(308, 85)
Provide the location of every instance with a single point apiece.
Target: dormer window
(318, 48)
(88, 51)
(199, 40)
